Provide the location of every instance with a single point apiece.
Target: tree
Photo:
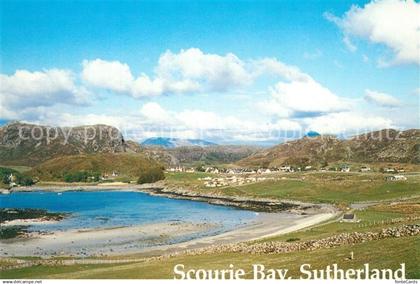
(151, 175)
(200, 169)
(19, 178)
(81, 176)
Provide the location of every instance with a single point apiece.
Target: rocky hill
(387, 145)
(129, 165)
(29, 144)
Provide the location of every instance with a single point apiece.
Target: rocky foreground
(275, 247)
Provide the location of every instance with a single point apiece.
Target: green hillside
(129, 165)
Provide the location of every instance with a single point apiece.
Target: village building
(364, 169)
(285, 168)
(230, 172)
(345, 169)
(12, 180)
(396, 178)
(349, 218)
(263, 171)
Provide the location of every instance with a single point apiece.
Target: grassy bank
(388, 253)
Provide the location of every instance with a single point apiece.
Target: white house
(364, 169)
(345, 169)
(396, 178)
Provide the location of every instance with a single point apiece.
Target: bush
(200, 169)
(292, 240)
(82, 176)
(20, 179)
(151, 175)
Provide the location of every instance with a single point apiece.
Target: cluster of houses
(393, 170)
(180, 170)
(107, 176)
(217, 182)
(284, 169)
(228, 181)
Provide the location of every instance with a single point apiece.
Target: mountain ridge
(30, 144)
(387, 145)
(167, 142)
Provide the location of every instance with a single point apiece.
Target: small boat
(59, 193)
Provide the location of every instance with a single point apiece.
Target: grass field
(20, 169)
(338, 188)
(387, 253)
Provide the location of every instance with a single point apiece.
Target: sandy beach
(152, 239)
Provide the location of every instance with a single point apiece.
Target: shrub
(151, 175)
(292, 240)
(81, 176)
(20, 178)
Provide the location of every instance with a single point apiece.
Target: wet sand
(152, 239)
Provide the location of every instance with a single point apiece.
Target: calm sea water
(101, 209)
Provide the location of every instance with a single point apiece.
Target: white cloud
(294, 102)
(276, 67)
(195, 123)
(347, 42)
(273, 107)
(312, 55)
(188, 71)
(198, 119)
(154, 112)
(112, 75)
(381, 99)
(304, 98)
(394, 23)
(347, 122)
(25, 89)
(215, 72)
(365, 58)
(143, 86)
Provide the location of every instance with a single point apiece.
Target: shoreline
(274, 217)
(163, 190)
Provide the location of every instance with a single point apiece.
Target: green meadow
(330, 187)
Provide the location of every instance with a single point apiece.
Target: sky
(231, 72)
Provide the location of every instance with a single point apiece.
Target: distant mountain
(166, 142)
(195, 155)
(312, 134)
(387, 145)
(30, 144)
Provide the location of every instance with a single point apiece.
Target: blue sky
(360, 73)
